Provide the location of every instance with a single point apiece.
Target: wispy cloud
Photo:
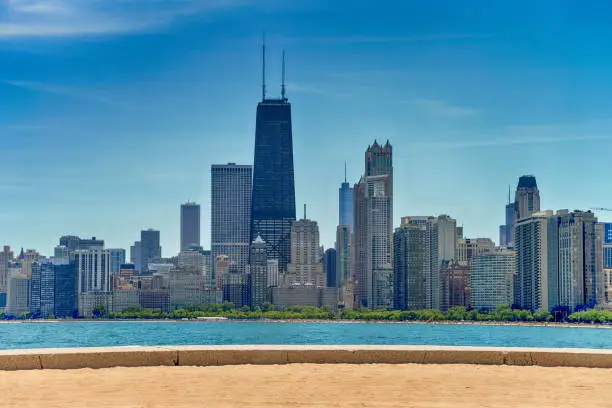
(316, 89)
(357, 39)
(56, 18)
(67, 91)
(441, 108)
(506, 141)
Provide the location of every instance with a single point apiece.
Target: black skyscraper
(273, 199)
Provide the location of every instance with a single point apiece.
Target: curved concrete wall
(231, 355)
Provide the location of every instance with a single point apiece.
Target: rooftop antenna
(263, 66)
(345, 171)
(304, 211)
(283, 80)
(509, 193)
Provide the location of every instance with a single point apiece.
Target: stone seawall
(106, 357)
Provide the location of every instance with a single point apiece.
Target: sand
(308, 385)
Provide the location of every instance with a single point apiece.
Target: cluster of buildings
(262, 253)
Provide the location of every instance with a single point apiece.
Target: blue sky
(112, 111)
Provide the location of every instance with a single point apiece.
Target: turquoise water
(89, 334)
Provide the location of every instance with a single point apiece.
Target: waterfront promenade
(308, 385)
(300, 376)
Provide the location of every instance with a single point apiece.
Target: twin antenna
(263, 72)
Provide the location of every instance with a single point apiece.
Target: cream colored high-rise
(306, 267)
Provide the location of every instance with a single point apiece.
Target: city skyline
(74, 122)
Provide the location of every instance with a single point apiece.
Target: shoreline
(322, 321)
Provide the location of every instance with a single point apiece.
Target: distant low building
(305, 295)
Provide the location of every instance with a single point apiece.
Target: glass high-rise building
(345, 208)
(527, 197)
(231, 186)
(65, 290)
(273, 199)
(150, 248)
(117, 258)
(190, 225)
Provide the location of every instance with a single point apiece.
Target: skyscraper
(373, 226)
(469, 248)
(410, 266)
(258, 270)
(150, 249)
(5, 257)
(506, 231)
(330, 263)
(190, 225)
(306, 266)
(492, 279)
(435, 243)
(345, 204)
(575, 260)
(343, 255)
(607, 245)
(135, 256)
(94, 283)
(117, 258)
(231, 186)
(527, 197)
(531, 243)
(273, 199)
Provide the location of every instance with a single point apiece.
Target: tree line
(268, 311)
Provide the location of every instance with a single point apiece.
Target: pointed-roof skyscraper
(273, 198)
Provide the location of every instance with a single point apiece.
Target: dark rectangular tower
(190, 225)
(273, 198)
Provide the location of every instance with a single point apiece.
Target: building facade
(345, 205)
(94, 282)
(344, 259)
(273, 197)
(576, 276)
(410, 267)
(306, 266)
(492, 279)
(258, 271)
(527, 197)
(330, 264)
(117, 258)
(150, 248)
(373, 224)
(231, 189)
(456, 290)
(190, 225)
(469, 248)
(532, 267)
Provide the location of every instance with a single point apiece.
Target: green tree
(99, 311)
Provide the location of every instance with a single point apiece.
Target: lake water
(90, 334)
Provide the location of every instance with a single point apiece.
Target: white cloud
(441, 108)
(58, 18)
(71, 92)
(324, 90)
(383, 39)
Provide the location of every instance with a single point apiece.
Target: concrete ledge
(105, 357)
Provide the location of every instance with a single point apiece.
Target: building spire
(304, 210)
(263, 66)
(509, 188)
(283, 79)
(345, 171)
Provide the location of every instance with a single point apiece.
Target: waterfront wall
(232, 355)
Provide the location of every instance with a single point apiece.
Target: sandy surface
(307, 385)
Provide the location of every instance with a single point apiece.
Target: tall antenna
(304, 210)
(509, 193)
(263, 66)
(345, 171)
(283, 80)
